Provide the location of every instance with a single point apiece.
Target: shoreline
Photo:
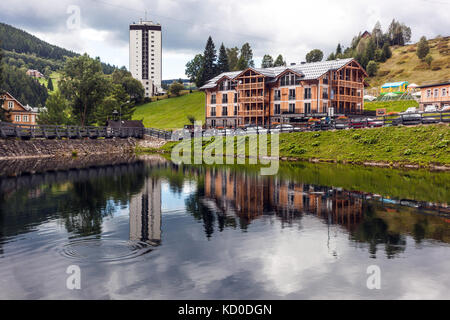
(378, 164)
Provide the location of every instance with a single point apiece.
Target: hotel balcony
(256, 99)
(249, 86)
(348, 84)
(253, 113)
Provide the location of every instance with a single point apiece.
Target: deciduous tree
(315, 55)
(84, 85)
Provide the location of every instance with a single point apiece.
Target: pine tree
(267, 61)
(422, 48)
(233, 58)
(209, 68)
(246, 57)
(222, 62)
(338, 50)
(387, 50)
(372, 68)
(331, 57)
(279, 61)
(50, 84)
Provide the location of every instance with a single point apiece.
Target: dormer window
(289, 79)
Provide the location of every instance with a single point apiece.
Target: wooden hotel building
(285, 94)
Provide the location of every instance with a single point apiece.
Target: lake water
(147, 229)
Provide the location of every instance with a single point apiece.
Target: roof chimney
(303, 62)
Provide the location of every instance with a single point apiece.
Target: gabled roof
(18, 102)
(309, 71)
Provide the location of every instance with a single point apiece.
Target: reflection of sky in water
(171, 201)
(272, 258)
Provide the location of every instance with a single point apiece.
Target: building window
(291, 107)
(277, 95)
(307, 93)
(291, 94)
(225, 98)
(324, 93)
(225, 111)
(436, 93)
(307, 107)
(10, 104)
(277, 109)
(444, 92)
(235, 110)
(213, 99)
(213, 111)
(289, 79)
(324, 107)
(213, 123)
(17, 118)
(428, 93)
(25, 118)
(235, 98)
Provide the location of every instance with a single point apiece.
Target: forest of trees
(24, 88)
(208, 65)
(376, 48)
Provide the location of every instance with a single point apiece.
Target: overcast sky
(291, 28)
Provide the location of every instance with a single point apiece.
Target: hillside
(405, 65)
(172, 113)
(24, 50)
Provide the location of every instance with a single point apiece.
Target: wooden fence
(8, 130)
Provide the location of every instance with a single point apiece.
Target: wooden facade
(435, 94)
(16, 112)
(268, 96)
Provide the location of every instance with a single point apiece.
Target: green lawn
(423, 145)
(55, 78)
(172, 113)
(397, 106)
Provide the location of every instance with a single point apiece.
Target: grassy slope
(397, 106)
(422, 145)
(404, 65)
(55, 78)
(172, 113)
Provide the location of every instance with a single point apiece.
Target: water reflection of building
(145, 213)
(251, 196)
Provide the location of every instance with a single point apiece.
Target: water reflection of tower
(145, 213)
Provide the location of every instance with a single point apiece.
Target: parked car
(282, 128)
(374, 123)
(411, 110)
(445, 108)
(256, 130)
(407, 119)
(357, 123)
(431, 109)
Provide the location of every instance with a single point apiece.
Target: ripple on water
(105, 250)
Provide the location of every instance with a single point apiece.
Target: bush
(316, 144)
(372, 68)
(407, 152)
